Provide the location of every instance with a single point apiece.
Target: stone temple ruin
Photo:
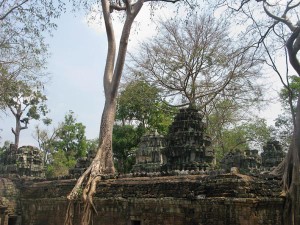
(152, 194)
(250, 161)
(24, 161)
(272, 154)
(186, 147)
(247, 161)
(149, 156)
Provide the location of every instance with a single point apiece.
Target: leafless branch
(282, 19)
(117, 7)
(288, 8)
(293, 51)
(12, 9)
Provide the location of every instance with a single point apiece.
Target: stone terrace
(226, 199)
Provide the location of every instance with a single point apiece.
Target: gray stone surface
(187, 146)
(149, 156)
(24, 161)
(272, 154)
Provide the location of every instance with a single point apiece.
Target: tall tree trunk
(291, 179)
(104, 154)
(102, 164)
(291, 164)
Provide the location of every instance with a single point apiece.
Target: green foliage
(23, 54)
(141, 103)
(26, 103)
(64, 146)
(136, 102)
(284, 126)
(292, 92)
(283, 129)
(257, 132)
(22, 97)
(224, 112)
(4, 149)
(125, 140)
(162, 117)
(250, 135)
(92, 145)
(5, 84)
(70, 137)
(60, 164)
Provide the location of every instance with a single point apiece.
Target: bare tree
(194, 61)
(291, 175)
(285, 16)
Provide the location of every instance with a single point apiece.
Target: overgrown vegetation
(196, 61)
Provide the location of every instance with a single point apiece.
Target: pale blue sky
(76, 67)
(76, 64)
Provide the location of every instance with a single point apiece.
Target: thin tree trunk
(18, 127)
(17, 131)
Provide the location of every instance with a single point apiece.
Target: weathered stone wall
(161, 211)
(23, 161)
(9, 202)
(175, 200)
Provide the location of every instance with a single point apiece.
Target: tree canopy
(195, 61)
(25, 103)
(23, 50)
(64, 145)
(125, 140)
(140, 104)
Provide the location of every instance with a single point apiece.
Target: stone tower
(24, 161)
(148, 155)
(272, 154)
(246, 161)
(187, 148)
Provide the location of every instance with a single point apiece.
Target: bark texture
(291, 179)
(291, 176)
(290, 166)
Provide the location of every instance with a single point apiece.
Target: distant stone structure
(80, 166)
(272, 154)
(149, 156)
(252, 159)
(187, 147)
(24, 161)
(248, 160)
